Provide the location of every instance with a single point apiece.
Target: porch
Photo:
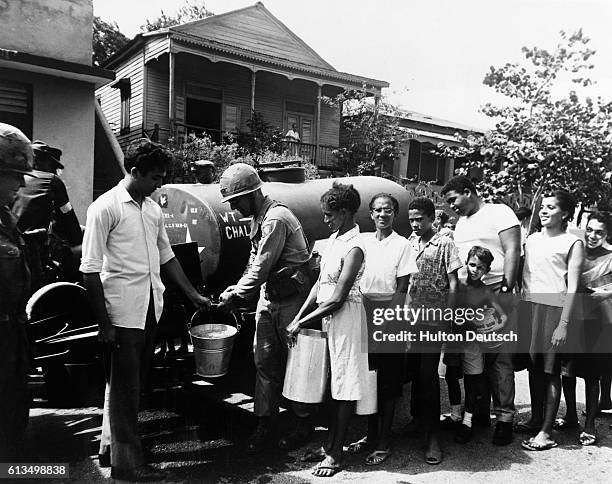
(321, 156)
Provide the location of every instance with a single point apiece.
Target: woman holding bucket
(339, 304)
(389, 263)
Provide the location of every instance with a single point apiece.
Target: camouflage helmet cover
(15, 151)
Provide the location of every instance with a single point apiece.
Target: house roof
(254, 34)
(23, 61)
(412, 117)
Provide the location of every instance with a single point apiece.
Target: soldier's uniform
(14, 349)
(15, 159)
(278, 271)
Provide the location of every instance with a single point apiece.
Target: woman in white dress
(336, 298)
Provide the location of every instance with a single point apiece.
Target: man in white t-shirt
(495, 227)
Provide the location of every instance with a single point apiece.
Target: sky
(434, 53)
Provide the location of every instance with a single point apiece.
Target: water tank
(194, 212)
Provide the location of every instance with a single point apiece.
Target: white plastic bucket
(368, 405)
(307, 368)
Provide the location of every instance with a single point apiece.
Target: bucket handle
(190, 323)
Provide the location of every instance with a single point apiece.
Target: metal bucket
(212, 348)
(307, 368)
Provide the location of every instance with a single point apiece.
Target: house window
(125, 90)
(231, 123)
(125, 110)
(16, 105)
(203, 110)
(424, 165)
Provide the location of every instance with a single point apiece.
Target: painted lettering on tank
(236, 231)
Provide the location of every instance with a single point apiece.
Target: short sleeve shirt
(332, 262)
(126, 244)
(386, 260)
(438, 258)
(482, 229)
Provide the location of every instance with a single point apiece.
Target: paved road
(196, 433)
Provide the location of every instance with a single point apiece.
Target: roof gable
(254, 28)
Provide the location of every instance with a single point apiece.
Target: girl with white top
(553, 263)
(389, 263)
(336, 298)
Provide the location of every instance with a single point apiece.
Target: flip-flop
(314, 455)
(523, 428)
(433, 459)
(377, 457)
(357, 447)
(562, 424)
(587, 439)
(534, 446)
(333, 468)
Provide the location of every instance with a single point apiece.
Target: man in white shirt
(125, 247)
(495, 227)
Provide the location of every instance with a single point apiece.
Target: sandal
(587, 439)
(326, 469)
(317, 455)
(433, 458)
(562, 424)
(357, 447)
(377, 457)
(532, 445)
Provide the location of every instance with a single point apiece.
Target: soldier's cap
(202, 164)
(54, 154)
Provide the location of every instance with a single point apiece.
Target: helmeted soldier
(278, 272)
(204, 171)
(15, 162)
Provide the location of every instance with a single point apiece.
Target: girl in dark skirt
(389, 261)
(553, 261)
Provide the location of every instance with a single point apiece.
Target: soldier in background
(15, 162)
(44, 199)
(43, 204)
(204, 171)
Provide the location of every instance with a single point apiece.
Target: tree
(543, 142)
(107, 39)
(371, 133)
(191, 10)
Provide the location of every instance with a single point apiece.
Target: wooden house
(418, 162)
(210, 75)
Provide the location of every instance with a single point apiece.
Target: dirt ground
(197, 435)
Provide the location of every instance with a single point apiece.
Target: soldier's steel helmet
(239, 179)
(15, 151)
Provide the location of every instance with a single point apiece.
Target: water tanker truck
(61, 321)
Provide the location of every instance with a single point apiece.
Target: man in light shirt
(495, 227)
(125, 248)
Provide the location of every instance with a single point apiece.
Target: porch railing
(323, 156)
